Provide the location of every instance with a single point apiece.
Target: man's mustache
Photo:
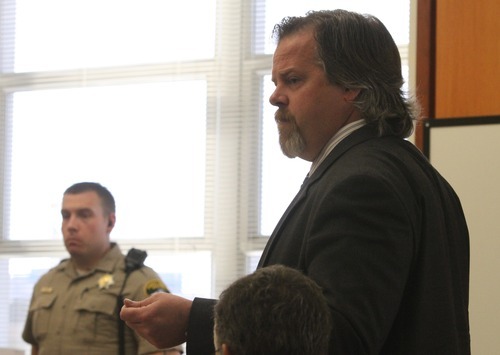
(283, 116)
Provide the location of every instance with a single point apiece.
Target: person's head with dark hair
(107, 199)
(275, 310)
(358, 56)
(88, 217)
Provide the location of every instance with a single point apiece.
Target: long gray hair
(358, 52)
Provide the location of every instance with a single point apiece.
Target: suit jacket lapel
(364, 133)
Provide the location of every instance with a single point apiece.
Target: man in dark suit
(374, 224)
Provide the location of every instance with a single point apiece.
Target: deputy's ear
(111, 222)
(351, 94)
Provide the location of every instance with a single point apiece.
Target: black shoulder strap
(133, 261)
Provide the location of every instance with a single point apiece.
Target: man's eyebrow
(77, 210)
(286, 71)
(281, 73)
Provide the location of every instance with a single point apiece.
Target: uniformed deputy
(74, 307)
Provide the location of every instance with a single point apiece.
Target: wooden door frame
(426, 64)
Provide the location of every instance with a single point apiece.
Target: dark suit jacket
(384, 235)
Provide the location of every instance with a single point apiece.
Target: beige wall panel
(467, 156)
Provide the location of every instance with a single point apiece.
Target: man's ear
(225, 350)
(111, 222)
(351, 94)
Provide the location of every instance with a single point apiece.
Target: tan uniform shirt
(72, 314)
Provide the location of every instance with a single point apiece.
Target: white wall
(469, 158)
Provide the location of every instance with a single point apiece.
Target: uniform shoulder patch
(153, 286)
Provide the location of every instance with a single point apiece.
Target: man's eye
(84, 214)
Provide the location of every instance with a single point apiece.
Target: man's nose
(70, 222)
(277, 98)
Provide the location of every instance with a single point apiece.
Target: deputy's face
(85, 225)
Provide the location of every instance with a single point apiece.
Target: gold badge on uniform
(47, 289)
(105, 281)
(153, 286)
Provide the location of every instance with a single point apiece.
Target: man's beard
(292, 143)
